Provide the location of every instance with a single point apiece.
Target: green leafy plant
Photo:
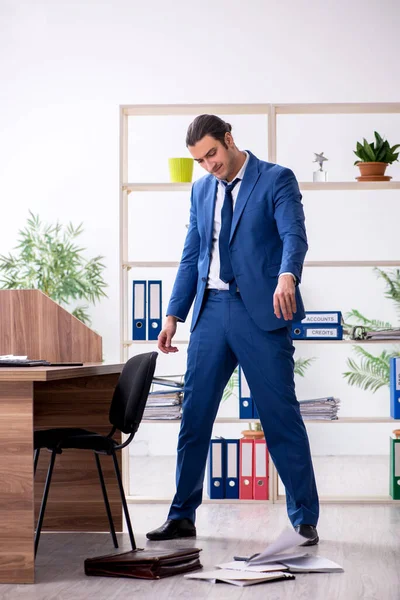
(50, 260)
(372, 372)
(378, 151)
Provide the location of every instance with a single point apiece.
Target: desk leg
(16, 483)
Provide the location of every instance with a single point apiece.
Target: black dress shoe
(171, 530)
(310, 532)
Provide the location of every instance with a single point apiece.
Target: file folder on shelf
(395, 388)
(154, 309)
(394, 485)
(260, 482)
(245, 399)
(246, 447)
(316, 332)
(216, 470)
(322, 317)
(139, 310)
(231, 448)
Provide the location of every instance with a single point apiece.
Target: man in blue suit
(241, 265)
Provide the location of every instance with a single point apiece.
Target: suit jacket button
(204, 279)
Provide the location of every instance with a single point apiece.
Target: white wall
(66, 67)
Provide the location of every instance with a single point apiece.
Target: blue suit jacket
(268, 237)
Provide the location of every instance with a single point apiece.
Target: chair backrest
(130, 395)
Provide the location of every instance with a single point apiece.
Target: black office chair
(126, 411)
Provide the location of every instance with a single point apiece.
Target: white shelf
(131, 342)
(352, 263)
(307, 263)
(150, 264)
(354, 342)
(280, 500)
(304, 186)
(153, 500)
(194, 109)
(337, 108)
(244, 421)
(349, 185)
(348, 500)
(156, 187)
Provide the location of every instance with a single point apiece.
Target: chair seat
(71, 437)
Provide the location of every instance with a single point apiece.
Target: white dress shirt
(213, 280)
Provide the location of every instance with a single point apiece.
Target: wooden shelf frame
(304, 186)
(308, 263)
(271, 111)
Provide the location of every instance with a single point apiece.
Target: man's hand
(165, 336)
(284, 298)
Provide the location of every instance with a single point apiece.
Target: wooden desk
(38, 398)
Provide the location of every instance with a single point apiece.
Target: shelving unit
(128, 190)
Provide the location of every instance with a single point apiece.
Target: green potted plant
(374, 157)
(49, 260)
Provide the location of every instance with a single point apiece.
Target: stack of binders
(146, 309)
(319, 325)
(238, 469)
(395, 388)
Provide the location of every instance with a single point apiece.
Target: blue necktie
(226, 271)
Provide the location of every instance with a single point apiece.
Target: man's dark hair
(207, 125)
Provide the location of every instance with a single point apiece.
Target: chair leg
(44, 499)
(106, 502)
(123, 500)
(35, 460)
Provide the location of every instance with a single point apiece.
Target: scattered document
(289, 538)
(240, 578)
(275, 557)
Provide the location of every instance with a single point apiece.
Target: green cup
(180, 169)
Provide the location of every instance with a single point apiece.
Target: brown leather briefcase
(145, 564)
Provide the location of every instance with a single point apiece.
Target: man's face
(214, 157)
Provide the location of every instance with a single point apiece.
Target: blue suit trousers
(225, 335)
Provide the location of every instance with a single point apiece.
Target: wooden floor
(364, 539)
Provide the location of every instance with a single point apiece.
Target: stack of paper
(383, 334)
(165, 399)
(163, 405)
(320, 408)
